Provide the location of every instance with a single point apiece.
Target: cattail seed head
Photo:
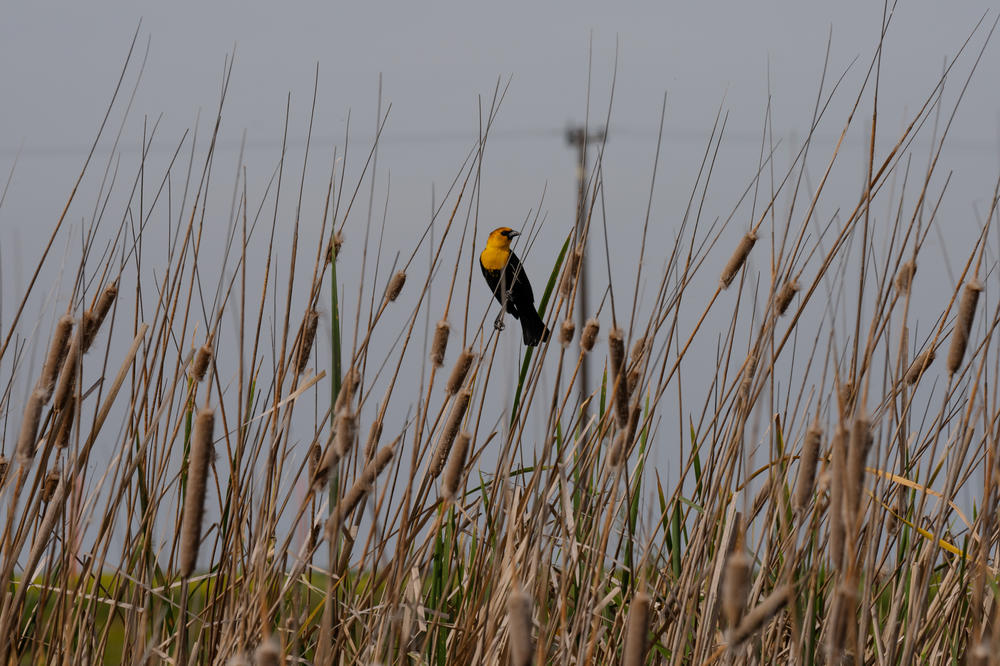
(760, 614)
(4, 467)
(616, 354)
(738, 258)
(440, 344)
(785, 296)
(348, 387)
(632, 380)
(347, 428)
(807, 467)
(458, 373)
(201, 360)
(637, 631)
(904, 278)
(857, 455)
(67, 374)
(268, 653)
(963, 324)
(838, 455)
(94, 317)
(842, 612)
(51, 484)
(306, 341)
(333, 249)
(194, 499)
(566, 332)
(922, 361)
(395, 286)
(616, 350)
(589, 336)
(240, 659)
(522, 649)
(345, 507)
(617, 453)
(569, 275)
(451, 429)
(374, 435)
(638, 350)
(455, 470)
(57, 355)
(735, 585)
(29, 425)
(66, 418)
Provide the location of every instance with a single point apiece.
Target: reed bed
(832, 496)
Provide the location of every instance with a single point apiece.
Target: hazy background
(60, 62)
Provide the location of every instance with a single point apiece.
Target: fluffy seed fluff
(395, 286)
(440, 344)
(347, 428)
(737, 259)
(268, 653)
(201, 360)
(348, 387)
(589, 336)
(904, 278)
(566, 332)
(194, 499)
(785, 296)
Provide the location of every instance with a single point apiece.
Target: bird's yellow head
(500, 238)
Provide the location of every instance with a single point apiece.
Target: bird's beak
(512, 233)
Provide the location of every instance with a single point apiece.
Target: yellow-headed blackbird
(507, 279)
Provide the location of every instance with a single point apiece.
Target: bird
(509, 283)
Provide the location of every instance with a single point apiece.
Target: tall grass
(279, 484)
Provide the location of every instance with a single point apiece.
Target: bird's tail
(533, 329)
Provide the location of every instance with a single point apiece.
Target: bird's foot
(498, 323)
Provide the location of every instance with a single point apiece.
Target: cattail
(842, 613)
(617, 453)
(451, 428)
(240, 659)
(459, 372)
(306, 343)
(93, 318)
(807, 467)
(785, 296)
(333, 249)
(314, 456)
(963, 324)
(66, 418)
(838, 455)
(67, 375)
(57, 354)
(347, 428)
(739, 257)
(569, 275)
(761, 613)
(637, 631)
(29, 425)
(522, 649)
(201, 360)
(616, 350)
(746, 383)
(374, 435)
(345, 507)
(638, 350)
(616, 355)
(922, 361)
(50, 484)
(904, 278)
(4, 467)
(268, 653)
(632, 380)
(589, 335)
(395, 286)
(197, 481)
(440, 343)
(566, 332)
(847, 394)
(456, 466)
(328, 459)
(348, 387)
(857, 455)
(735, 584)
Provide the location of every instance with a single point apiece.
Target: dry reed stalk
(857, 456)
(440, 344)
(347, 429)
(93, 318)
(374, 435)
(904, 278)
(458, 373)
(835, 513)
(735, 583)
(807, 467)
(785, 296)
(589, 336)
(569, 275)
(637, 631)
(522, 648)
(918, 366)
(201, 360)
(29, 425)
(454, 472)
(761, 613)
(57, 355)
(451, 429)
(737, 259)
(197, 482)
(307, 340)
(51, 484)
(963, 324)
(566, 332)
(395, 286)
(345, 507)
(268, 653)
(67, 375)
(348, 387)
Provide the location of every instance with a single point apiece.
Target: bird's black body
(511, 288)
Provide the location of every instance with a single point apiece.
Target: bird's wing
(520, 286)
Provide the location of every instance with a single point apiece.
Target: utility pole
(579, 137)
